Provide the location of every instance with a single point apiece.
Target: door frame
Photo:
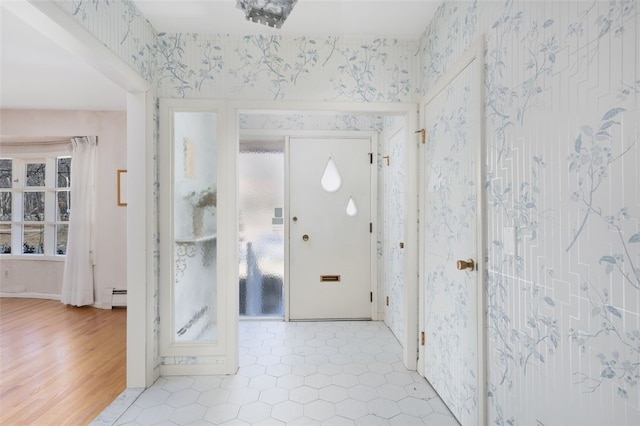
(224, 348)
(409, 340)
(475, 52)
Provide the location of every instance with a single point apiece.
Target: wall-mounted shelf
(206, 238)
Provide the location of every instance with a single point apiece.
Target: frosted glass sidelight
(195, 239)
(352, 208)
(331, 180)
(261, 245)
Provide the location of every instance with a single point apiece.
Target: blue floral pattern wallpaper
(562, 89)
(121, 27)
(450, 205)
(286, 68)
(562, 127)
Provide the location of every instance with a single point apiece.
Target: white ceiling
(389, 18)
(35, 73)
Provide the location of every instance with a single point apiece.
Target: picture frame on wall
(122, 187)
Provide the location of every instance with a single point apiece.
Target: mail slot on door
(329, 278)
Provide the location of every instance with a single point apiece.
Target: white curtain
(77, 281)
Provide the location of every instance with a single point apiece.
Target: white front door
(451, 299)
(330, 228)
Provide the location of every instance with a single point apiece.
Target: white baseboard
(32, 295)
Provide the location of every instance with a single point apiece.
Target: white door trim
(475, 52)
(225, 347)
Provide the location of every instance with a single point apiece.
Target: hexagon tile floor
(298, 373)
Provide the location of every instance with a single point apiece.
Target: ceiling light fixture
(267, 12)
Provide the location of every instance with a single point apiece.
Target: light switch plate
(509, 240)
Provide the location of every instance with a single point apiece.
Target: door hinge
(371, 296)
(371, 158)
(422, 338)
(371, 227)
(423, 135)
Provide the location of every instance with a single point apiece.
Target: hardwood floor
(59, 365)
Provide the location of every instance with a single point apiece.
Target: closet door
(452, 240)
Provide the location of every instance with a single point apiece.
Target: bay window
(35, 203)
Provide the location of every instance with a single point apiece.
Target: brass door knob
(466, 264)
(305, 237)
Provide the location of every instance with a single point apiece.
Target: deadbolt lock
(305, 237)
(466, 264)
(295, 218)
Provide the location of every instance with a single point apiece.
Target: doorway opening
(257, 126)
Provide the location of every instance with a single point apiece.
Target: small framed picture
(122, 187)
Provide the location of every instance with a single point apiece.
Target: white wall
(45, 277)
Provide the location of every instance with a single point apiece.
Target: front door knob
(305, 237)
(466, 264)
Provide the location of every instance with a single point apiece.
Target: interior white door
(451, 298)
(330, 230)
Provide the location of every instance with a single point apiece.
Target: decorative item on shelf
(200, 201)
(267, 12)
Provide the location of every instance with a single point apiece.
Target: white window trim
(48, 154)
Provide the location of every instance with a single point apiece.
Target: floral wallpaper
(562, 87)
(450, 205)
(561, 118)
(121, 27)
(311, 121)
(286, 68)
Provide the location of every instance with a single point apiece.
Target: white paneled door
(330, 228)
(452, 241)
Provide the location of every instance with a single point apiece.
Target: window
(35, 202)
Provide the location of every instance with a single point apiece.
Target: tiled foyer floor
(304, 373)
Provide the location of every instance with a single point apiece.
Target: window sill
(32, 257)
